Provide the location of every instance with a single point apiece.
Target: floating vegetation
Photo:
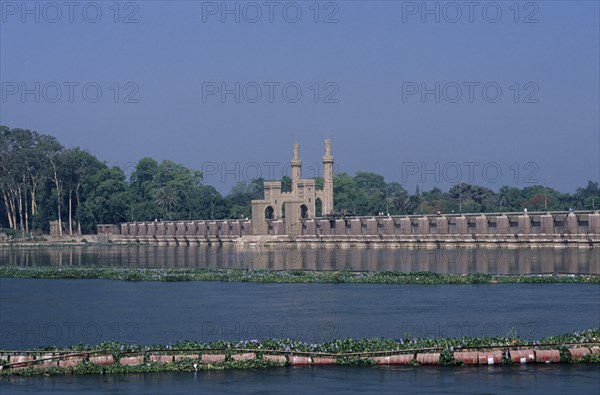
(284, 276)
(107, 358)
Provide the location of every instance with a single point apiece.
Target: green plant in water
(565, 355)
(355, 361)
(447, 358)
(293, 276)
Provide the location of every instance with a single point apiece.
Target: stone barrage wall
(572, 225)
(481, 224)
(183, 229)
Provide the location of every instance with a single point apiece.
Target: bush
(10, 233)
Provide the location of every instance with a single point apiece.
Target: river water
(532, 379)
(458, 260)
(39, 312)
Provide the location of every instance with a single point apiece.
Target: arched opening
(283, 211)
(269, 213)
(318, 208)
(303, 211)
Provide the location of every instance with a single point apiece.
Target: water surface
(41, 312)
(459, 260)
(531, 379)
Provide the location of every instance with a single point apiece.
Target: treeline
(368, 193)
(41, 181)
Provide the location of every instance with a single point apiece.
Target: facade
(299, 204)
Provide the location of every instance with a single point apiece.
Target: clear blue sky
(374, 59)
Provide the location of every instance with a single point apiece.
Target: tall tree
(76, 166)
(108, 197)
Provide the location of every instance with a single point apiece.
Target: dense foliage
(40, 181)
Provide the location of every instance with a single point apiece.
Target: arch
(269, 212)
(283, 210)
(303, 211)
(318, 208)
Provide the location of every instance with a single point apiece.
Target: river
(40, 312)
(457, 260)
(529, 379)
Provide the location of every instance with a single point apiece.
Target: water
(40, 312)
(37, 312)
(532, 379)
(441, 260)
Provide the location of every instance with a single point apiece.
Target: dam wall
(581, 228)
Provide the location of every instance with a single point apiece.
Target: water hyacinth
(289, 276)
(339, 349)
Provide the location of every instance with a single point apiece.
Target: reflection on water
(440, 260)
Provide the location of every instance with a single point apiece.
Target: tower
(289, 213)
(327, 179)
(296, 168)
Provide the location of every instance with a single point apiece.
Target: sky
(424, 93)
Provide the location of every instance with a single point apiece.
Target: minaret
(327, 179)
(296, 168)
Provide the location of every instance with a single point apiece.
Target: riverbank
(284, 276)
(110, 358)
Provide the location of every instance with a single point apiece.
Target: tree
(142, 178)
(371, 193)
(57, 178)
(76, 165)
(209, 203)
(38, 165)
(587, 198)
(345, 192)
(396, 196)
(166, 198)
(108, 197)
(286, 184)
(175, 187)
(241, 195)
(24, 168)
